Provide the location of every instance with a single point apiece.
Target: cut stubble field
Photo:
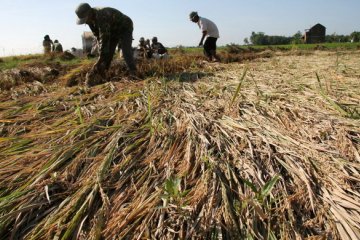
(262, 149)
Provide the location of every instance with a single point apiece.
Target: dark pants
(124, 41)
(125, 44)
(210, 47)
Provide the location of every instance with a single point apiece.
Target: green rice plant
(172, 192)
(239, 87)
(76, 220)
(79, 114)
(262, 193)
(19, 110)
(17, 146)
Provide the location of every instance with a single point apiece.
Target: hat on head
(82, 12)
(193, 14)
(142, 39)
(154, 39)
(56, 41)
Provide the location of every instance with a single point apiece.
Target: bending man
(111, 28)
(211, 32)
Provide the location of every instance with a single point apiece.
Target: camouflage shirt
(109, 24)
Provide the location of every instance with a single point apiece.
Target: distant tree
(355, 36)
(331, 38)
(278, 40)
(344, 38)
(258, 38)
(246, 41)
(261, 39)
(337, 38)
(297, 38)
(254, 38)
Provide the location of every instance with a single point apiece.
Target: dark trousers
(125, 44)
(210, 47)
(124, 41)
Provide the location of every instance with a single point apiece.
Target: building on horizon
(316, 34)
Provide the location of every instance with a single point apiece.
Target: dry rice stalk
(168, 158)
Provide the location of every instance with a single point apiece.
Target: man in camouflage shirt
(111, 28)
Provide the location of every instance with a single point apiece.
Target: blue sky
(24, 23)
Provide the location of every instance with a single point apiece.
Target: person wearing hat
(148, 45)
(57, 47)
(158, 50)
(111, 28)
(210, 32)
(47, 43)
(157, 47)
(144, 48)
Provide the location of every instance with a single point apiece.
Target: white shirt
(209, 26)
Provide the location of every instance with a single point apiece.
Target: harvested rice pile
(267, 149)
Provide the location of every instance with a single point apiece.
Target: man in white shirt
(210, 32)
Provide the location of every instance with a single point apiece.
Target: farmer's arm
(103, 32)
(204, 33)
(95, 31)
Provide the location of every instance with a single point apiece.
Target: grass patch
(16, 61)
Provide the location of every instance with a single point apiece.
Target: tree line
(260, 38)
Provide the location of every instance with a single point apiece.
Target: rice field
(263, 148)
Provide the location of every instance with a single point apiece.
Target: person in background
(144, 49)
(158, 50)
(57, 47)
(210, 32)
(147, 43)
(47, 44)
(77, 52)
(111, 28)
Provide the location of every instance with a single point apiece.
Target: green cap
(82, 11)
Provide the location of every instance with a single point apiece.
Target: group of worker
(154, 50)
(113, 29)
(50, 46)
